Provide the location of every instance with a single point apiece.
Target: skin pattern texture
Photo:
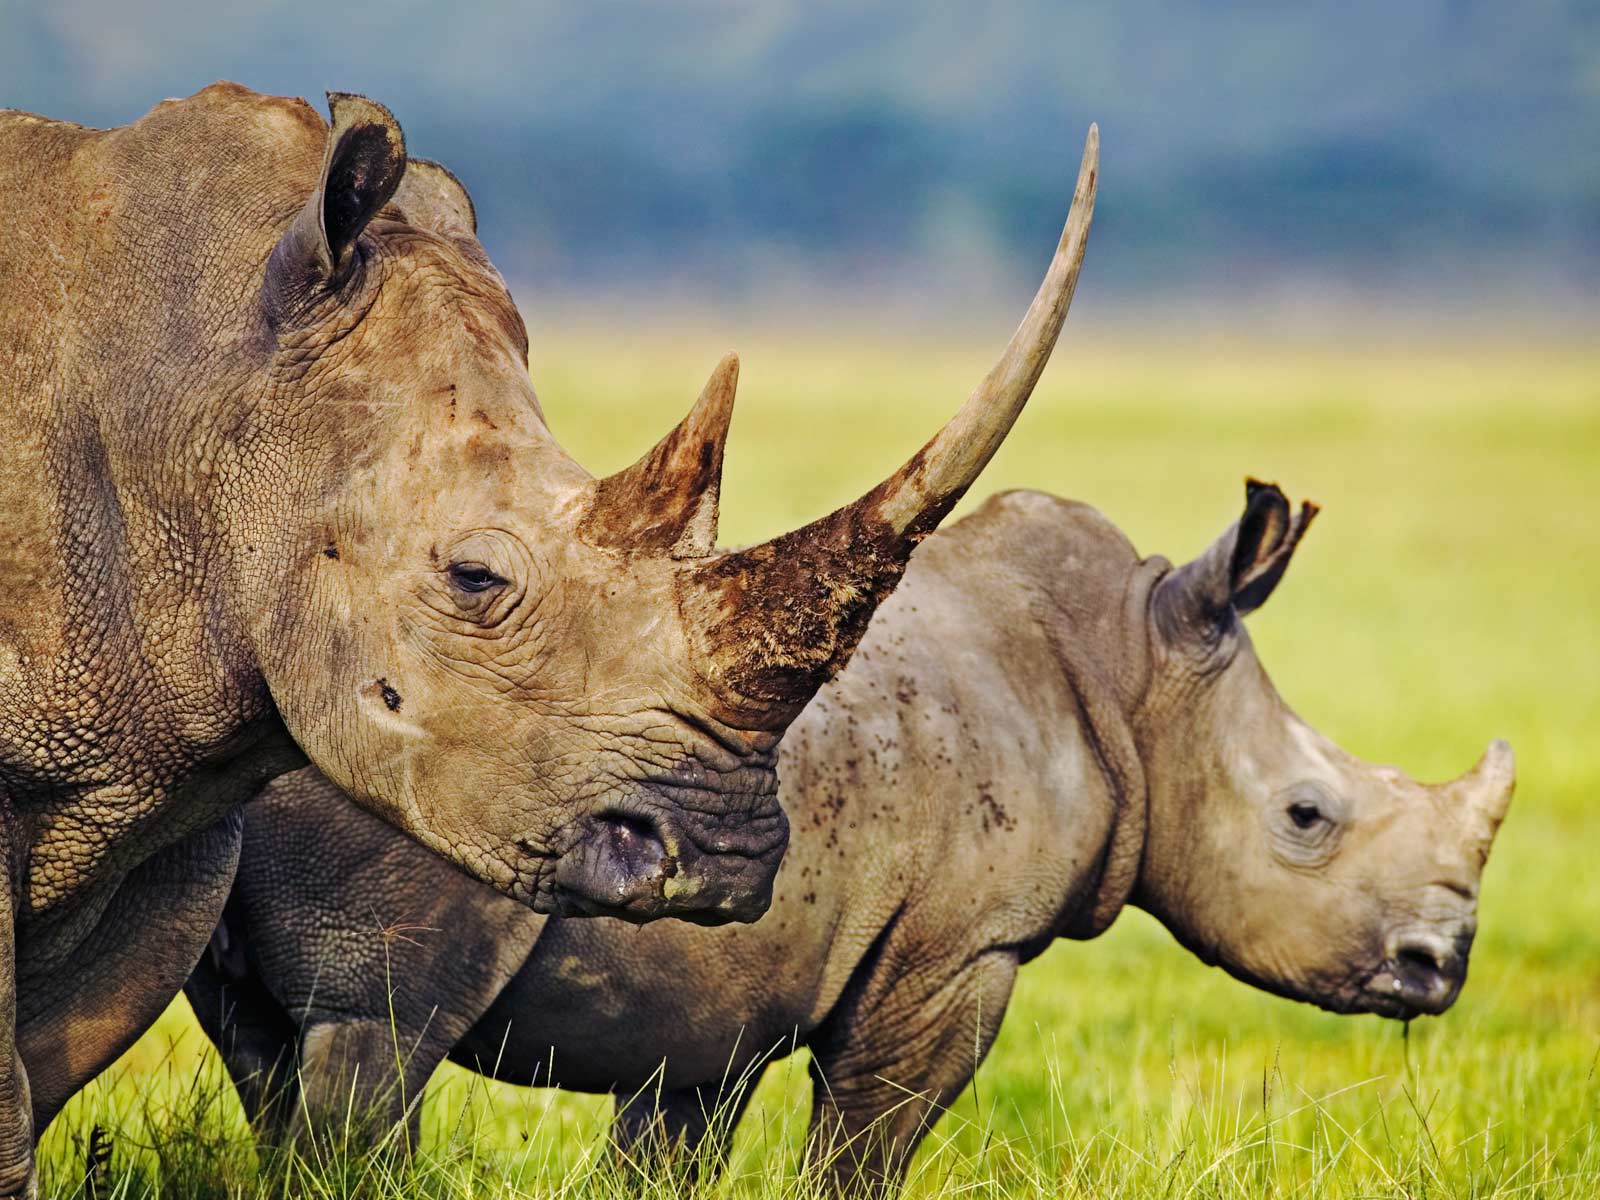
(1038, 728)
(277, 489)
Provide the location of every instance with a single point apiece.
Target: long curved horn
(782, 617)
(937, 476)
(667, 501)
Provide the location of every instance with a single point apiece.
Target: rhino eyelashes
(477, 591)
(473, 578)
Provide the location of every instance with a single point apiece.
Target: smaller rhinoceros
(1038, 728)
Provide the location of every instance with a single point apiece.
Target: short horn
(782, 617)
(667, 501)
(1488, 787)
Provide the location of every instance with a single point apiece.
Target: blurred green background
(1446, 596)
(1271, 161)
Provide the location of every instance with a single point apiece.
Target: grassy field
(1450, 593)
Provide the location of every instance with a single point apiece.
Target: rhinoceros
(277, 490)
(1038, 728)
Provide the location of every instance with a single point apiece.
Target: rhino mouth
(662, 853)
(1422, 978)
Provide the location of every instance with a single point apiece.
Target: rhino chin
(1399, 989)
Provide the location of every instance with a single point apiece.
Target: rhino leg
(71, 1024)
(258, 1042)
(17, 1176)
(689, 1130)
(336, 1078)
(904, 1041)
(353, 961)
(361, 1084)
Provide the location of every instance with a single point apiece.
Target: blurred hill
(1438, 152)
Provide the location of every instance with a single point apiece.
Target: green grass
(1448, 594)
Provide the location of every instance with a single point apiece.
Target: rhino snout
(646, 861)
(618, 863)
(1422, 972)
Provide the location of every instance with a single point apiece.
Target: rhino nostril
(1422, 973)
(1420, 959)
(635, 843)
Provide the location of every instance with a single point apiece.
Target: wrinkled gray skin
(1038, 728)
(276, 488)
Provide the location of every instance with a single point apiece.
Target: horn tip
(724, 379)
(716, 398)
(1498, 770)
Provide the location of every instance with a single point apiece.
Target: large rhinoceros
(277, 488)
(1038, 728)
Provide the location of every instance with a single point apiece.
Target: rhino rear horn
(667, 501)
(780, 618)
(362, 167)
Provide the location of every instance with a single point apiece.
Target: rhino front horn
(1489, 785)
(667, 501)
(782, 617)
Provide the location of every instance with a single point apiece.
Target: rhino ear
(1266, 539)
(431, 197)
(362, 166)
(1240, 569)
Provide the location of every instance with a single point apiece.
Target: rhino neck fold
(1105, 693)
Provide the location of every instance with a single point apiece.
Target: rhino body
(277, 490)
(1038, 728)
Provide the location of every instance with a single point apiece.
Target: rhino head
(1269, 850)
(554, 680)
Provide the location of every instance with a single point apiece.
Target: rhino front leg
(76, 1018)
(336, 1080)
(257, 1039)
(895, 1053)
(361, 1084)
(17, 1176)
(687, 1130)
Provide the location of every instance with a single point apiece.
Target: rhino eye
(1306, 822)
(1304, 814)
(473, 578)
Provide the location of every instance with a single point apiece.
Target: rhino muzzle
(661, 855)
(1422, 974)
